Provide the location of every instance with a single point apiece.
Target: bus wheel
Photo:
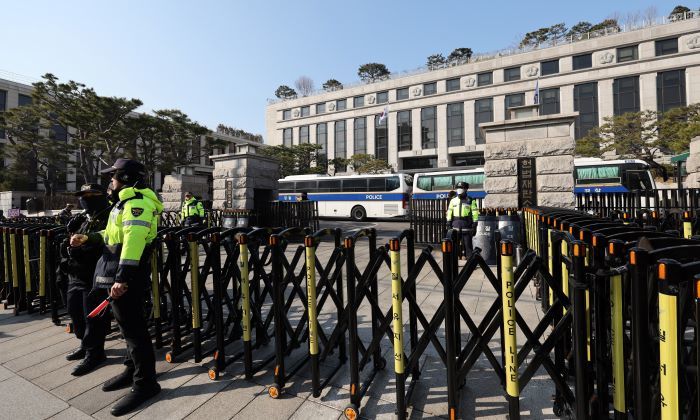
(358, 213)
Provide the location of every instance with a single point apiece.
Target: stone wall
(692, 165)
(549, 140)
(244, 174)
(175, 186)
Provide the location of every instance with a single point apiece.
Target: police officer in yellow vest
(462, 214)
(124, 269)
(192, 210)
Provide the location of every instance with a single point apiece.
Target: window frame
(305, 111)
(286, 114)
(508, 77)
(659, 48)
(341, 101)
(432, 86)
(587, 58)
(289, 130)
(479, 77)
(544, 103)
(453, 89)
(635, 55)
(477, 132)
(404, 131)
(360, 99)
(384, 93)
(402, 94)
(322, 107)
(426, 142)
(451, 140)
(363, 138)
(545, 71)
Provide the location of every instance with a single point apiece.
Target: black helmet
(463, 185)
(127, 171)
(91, 188)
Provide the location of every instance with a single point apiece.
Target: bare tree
(650, 13)
(304, 85)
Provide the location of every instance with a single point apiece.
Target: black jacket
(77, 265)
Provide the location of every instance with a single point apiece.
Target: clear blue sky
(219, 61)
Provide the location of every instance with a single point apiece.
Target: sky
(220, 61)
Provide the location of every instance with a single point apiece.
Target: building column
(392, 140)
(566, 99)
(692, 85)
(647, 92)
(369, 136)
(469, 133)
(442, 155)
(330, 139)
(499, 108)
(605, 100)
(415, 130)
(350, 136)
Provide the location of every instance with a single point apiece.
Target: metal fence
(672, 200)
(428, 219)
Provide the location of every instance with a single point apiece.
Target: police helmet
(462, 185)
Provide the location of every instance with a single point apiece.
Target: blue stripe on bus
(443, 194)
(600, 189)
(347, 197)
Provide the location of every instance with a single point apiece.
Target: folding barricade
(247, 275)
(323, 329)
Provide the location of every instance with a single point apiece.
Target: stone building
(434, 115)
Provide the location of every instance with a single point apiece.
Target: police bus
(354, 196)
(591, 175)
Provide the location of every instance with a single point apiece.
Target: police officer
(462, 213)
(124, 268)
(192, 211)
(78, 264)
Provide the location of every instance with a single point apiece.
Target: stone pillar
(692, 165)
(175, 186)
(549, 140)
(241, 180)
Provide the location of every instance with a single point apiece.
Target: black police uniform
(78, 265)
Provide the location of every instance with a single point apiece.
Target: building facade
(14, 94)
(434, 116)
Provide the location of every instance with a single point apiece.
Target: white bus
(354, 196)
(591, 175)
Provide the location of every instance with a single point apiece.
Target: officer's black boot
(76, 354)
(124, 379)
(133, 399)
(89, 364)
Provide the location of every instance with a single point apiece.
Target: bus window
(354, 185)
(308, 186)
(392, 183)
(442, 182)
(473, 180)
(425, 183)
(376, 184)
(638, 180)
(598, 175)
(329, 185)
(286, 187)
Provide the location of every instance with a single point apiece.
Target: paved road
(386, 229)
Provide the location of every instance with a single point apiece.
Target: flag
(537, 92)
(384, 114)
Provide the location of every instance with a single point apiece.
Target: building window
(586, 103)
(3, 104)
(511, 74)
(340, 140)
(428, 127)
(320, 108)
(626, 95)
(382, 97)
(627, 54)
(455, 124)
(287, 114)
(358, 101)
(404, 130)
(667, 46)
(401, 94)
(287, 137)
(483, 79)
(381, 138)
(516, 99)
(549, 67)
(670, 90)
(429, 88)
(341, 104)
(420, 163)
(360, 128)
(322, 140)
(303, 134)
(583, 61)
(305, 111)
(549, 101)
(452, 84)
(24, 100)
(483, 112)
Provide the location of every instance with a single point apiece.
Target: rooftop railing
(633, 25)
